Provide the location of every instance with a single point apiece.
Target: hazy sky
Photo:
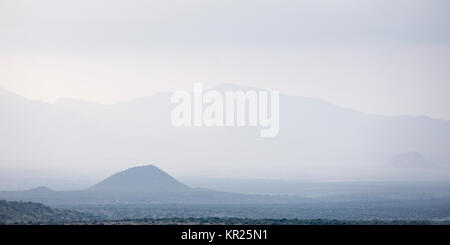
(380, 56)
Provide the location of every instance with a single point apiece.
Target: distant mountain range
(142, 185)
(317, 141)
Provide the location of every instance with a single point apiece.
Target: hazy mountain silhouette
(411, 160)
(140, 179)
(317, 141)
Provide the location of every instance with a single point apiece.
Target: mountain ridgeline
(317, 141)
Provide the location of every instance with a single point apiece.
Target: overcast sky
(383, 57)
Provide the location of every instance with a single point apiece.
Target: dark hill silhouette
(140, 179)
(141, 185)
(36, 213)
